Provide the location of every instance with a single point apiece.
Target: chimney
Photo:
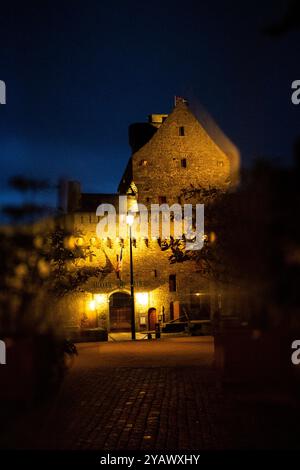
(73, 196)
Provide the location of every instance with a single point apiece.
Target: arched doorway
(152, 320)
(119, 312)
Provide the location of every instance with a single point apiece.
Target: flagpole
(130, 219)
(132, 289)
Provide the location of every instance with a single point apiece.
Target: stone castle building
(169, 152)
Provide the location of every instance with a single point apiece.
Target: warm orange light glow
(100, 298)
(79, 241)
(213, 237)
(69, 243)
(142, 298)
(92, 305)
(43, 268)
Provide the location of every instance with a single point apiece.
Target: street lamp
(129, 220)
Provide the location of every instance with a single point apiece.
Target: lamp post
(129, 220)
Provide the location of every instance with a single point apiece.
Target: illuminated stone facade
(168, 154)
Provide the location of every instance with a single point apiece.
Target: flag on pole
(180, 99)
(119, 262)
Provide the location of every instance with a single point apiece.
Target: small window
(220, 163)
(148, 199)
(172, 283)
(143, 162)
(81, 219)
(181, 131)
(162, 199)
(171, 310)
(183, 163)
(155, 273)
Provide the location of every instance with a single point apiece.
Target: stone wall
(158, 168)
(152, 269)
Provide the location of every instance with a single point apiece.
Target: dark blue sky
(79, 72)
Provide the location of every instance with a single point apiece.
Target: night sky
(79, 72)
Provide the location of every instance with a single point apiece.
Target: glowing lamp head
(130, 219)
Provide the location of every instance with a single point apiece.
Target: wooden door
(152, 319)
(120, 318)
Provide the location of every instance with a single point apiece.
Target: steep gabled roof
(182, 115)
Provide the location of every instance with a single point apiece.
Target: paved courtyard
(152, 395)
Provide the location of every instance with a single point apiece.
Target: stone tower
(169, 153)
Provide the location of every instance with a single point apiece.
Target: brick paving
(141, 408)
(173, 406)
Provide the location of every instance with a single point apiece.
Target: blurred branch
(23, 184)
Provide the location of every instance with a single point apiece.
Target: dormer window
(220, 163)
(183, 163)
(143, 162)
(172, 283)
(181, 131)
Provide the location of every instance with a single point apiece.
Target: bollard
(157, 330)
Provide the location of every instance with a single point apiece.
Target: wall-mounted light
(100, 298)
(142, 298)
(92, 305)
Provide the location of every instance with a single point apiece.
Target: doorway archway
(152, 318)
(119, 312)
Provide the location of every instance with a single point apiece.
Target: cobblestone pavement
(171, 405)
(148, 408)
